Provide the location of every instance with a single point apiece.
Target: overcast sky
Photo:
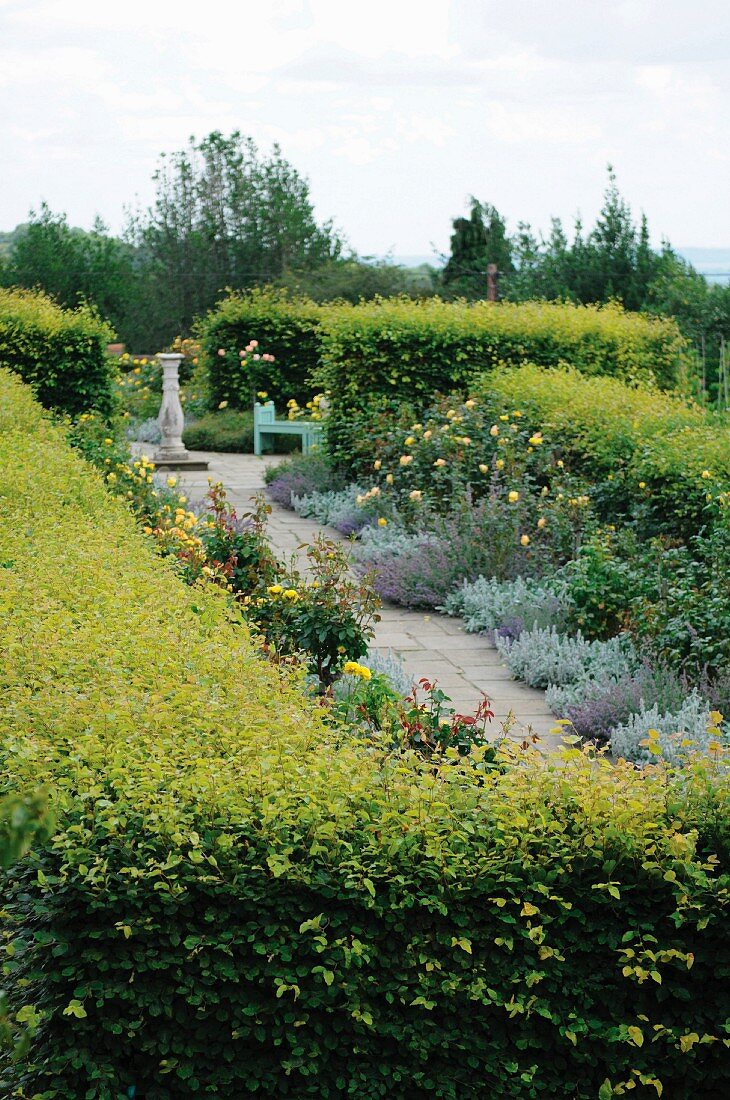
(396, 110)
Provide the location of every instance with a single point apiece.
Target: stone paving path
(431, 645)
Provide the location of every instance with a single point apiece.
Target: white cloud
(396, 109)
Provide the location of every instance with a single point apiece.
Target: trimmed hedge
(401, 349)
(239, 899)
(661, 458)
(60, 352)
(224, 430)
(285, 327)
(397, 349)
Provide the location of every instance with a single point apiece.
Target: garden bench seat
(265, 425)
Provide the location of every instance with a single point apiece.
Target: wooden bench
(266, 425)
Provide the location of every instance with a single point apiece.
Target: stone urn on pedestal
(171, 451)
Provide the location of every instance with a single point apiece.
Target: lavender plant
(605, 706)
(298, 476)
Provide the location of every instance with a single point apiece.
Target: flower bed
(608, 504)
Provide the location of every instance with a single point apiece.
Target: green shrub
(285, 327)
(60, 352)
(230, 430)
(240, 899)
(224, 430)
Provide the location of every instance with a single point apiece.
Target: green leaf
(636, 1035)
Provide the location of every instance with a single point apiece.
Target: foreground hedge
(663, 459)
(238, 900)
(61, 352)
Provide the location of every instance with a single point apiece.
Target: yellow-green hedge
(61, 352)
(286, 327)
(401, 348)
(397, 348)
(643, 448)
(394, 351)
(239, 900)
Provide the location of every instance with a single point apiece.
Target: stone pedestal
(171, 452)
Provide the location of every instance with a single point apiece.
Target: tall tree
(73, 265)
(224, 216)
(477, 241)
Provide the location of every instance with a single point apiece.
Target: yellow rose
(410, 441)
(389, 479)
(440, 462)
(513, 496)
(415, 494)
(290, 594)
(352, 668)
(377, 464)
(494, 430)
(483, 468)
(499, 463)
(525, 540)
(405, 460)
(541, 522)
(427, 434)
(382, 522)
(470, 404)
(275, 590)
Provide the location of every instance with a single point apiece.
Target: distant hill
(434, 260)
(713, 263)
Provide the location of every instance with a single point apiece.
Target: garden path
(431, 645)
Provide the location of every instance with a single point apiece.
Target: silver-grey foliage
(679, 733)
(486, 603)
(543, 657)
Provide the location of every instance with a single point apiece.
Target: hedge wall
(60, 352)
(647, 451)
(401, 349)
(239, 900)
(285, 327)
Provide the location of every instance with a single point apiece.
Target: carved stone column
(171, 451)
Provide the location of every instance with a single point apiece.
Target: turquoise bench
(265, 425)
